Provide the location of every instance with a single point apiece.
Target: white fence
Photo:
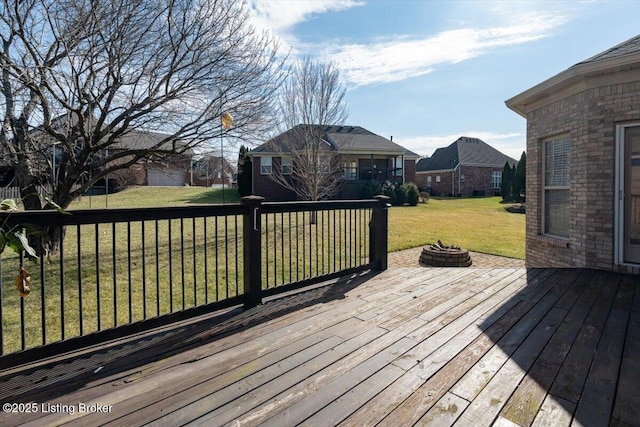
(9, 193)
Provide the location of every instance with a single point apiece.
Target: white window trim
(551, 187)
(618, 213)
(264, 165)
(496, 177)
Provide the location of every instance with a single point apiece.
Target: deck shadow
(56, 377)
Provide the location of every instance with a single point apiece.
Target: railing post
(252, 250)
(379, 237)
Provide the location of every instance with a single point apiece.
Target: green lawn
(477, 224)
(144, 197)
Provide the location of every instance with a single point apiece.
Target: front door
(631, 192)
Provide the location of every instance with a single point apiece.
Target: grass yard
(477, 224)
(145, 197)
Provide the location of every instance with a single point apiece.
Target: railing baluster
(130, 296)
(182, 260)
(297, 249)
(62, 296)
(266, 246)
(96, 234)
(114, 273)
(217, 267)
(194, 276)
(144, 269)
(43, 314)
(282, 244)
(206, 260)
(157, 258)
(237, 269)
(23, 325)
(290, 248)
(79, 258)
(226, 255)
(170, 267)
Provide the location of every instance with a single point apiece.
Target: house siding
(589, 118)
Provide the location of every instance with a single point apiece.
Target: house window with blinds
(266, 165)
(555, 199)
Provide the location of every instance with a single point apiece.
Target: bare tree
(78, 76)
(311, 100)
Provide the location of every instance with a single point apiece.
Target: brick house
(467, 167)
(583, 171)
(362, 156)
(170, 169)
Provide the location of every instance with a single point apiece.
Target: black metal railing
(120, 271)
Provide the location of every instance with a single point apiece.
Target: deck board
(409, 346)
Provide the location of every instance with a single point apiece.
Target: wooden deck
(410, 346)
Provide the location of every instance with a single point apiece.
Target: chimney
(391, 138)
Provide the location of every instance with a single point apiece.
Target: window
(350, 170)
(287, 166)
(437, 179)
(496, 179)
(555, 197)
(265, 165)
(429, 181)
(397, 170)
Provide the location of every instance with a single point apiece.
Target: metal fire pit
(440, 255)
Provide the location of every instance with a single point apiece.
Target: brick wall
(476, 179)
(264, 186)
(589, 118)
(410, 171)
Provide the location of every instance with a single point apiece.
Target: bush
(424, 196)
(389, 190)
(401, 195)
(413, 195)
(371, 189)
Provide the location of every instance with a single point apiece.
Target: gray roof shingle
(465, 151)
(341, 138)
(625, 48)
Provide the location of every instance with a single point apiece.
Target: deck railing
(121, 271)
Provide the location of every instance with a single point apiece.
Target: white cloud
(402, 57)
(280, 15)
(511, 144)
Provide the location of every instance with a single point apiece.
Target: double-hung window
(266, 165)
(287, 165)
(556, 191)
(496, 179)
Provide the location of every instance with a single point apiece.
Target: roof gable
(464, 151)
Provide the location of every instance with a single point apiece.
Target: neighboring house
(208, 170)
(583, 163)
(161, 169)
(467, 167)
(363, 157)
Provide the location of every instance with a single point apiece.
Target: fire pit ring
(440, 255)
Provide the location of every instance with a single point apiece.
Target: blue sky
(427, 72)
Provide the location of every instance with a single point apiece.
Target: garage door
(165, 178)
